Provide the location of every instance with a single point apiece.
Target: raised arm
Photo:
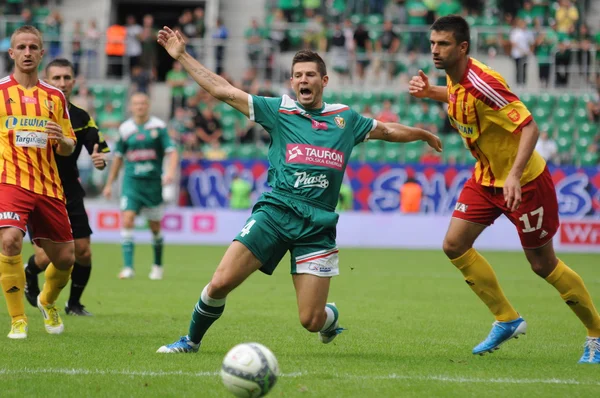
(214, 84)
(396, 132)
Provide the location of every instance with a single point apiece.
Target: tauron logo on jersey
(31, 139)
(138, 155)
(461, 207)
(339, 121)
(315, 155)
(9, 215)
(514, 115)
(306, 180)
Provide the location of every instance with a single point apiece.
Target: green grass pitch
(411, 320)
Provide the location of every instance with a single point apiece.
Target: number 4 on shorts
(246, 229)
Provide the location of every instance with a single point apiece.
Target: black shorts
(80, 223)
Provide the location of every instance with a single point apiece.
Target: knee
(311, 321)
(454, 248)
(83, 256)
(12, 243)
(65, 259)
(543, 266)
(219, 287)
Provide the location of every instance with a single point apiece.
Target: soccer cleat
(183, 345)
(501, 332)
(32, 288)
(126, 273)
(591, 350)
(52, 321)
(157, 273)
(76, 310)
(327, 336)
(18, 330)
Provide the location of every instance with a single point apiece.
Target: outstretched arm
(214, 84)
(396, 132)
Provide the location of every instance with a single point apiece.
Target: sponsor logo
(580, 233)
(172, 222)
(339, 121)
(461, 207)
(543, 234)
(9, 215)
(49, 104)
(571, 303)
(204, 223)
(108, 220)
(12, 122)
(13, 289)
(320, 156)
(138, 155)
(29, 100)
(31, 139)
(470, 282)
(514, 115)
(10, 101)
(318, 125)
(154, 133)
(140, 137)
(141, 168)
(319, 268)
(305, 180)
(452, 97)
(465, 129)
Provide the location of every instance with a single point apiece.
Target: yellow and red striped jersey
(27, 156)
(489, 118)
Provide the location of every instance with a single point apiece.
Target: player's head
(139, 105)
(26, 48)
(450, 40)
(309, 77)
(61, 74)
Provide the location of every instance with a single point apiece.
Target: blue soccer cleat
(591, 351)
(183, 345)
(501, 332)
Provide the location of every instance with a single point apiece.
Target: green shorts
(142, 196)
(279, 224)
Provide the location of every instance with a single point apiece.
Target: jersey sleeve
(264, 110)
(92, 137)
(361, 127)
(120, 147)
(165, 140)
(63, 118)
(512, 117)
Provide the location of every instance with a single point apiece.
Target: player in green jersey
(311, 142)
(143, 144)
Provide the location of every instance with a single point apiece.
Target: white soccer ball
(249, 370)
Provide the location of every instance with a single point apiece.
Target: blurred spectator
(199, 21)
(315, 33)
(13, 7)
(387, 46)
(252, 133)
(448, 7)
(52, 33)
(387, 115)
(83, 99)
(429, 156)
(220, 35)
(545, 43)
(566, 16)
(109, 120)
(337, 10)
(345, 199)
(311, 7)
(340, 54)
(181, 130)
(240, 192)
(521, 41)
(410, 196)
(368, 112)
(277, 29)
(213, 151)
(116, 36)
(148, 36)
(254, 47)
(77, 47)
(133, 46)
(189, 31)
(177, 79)
(526, 13)
(288, 7)
(417, 15)
(396, 12)
(92, 44)
(593, 105)
(208, 127)
(562, 63)
(584, 53)
(140, 80)
(546, 146)
(363, 48)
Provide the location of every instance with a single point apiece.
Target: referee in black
(60, 74)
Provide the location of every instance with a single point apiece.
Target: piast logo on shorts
(461, 207)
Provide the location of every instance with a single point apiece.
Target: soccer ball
(249, 370)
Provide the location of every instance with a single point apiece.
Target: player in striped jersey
(34, 125)
(509, 178)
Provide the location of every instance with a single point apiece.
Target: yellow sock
(12, 279)
(56, 280)
(481, 278)
(572, 289)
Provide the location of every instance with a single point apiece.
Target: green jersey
(143, 148)
(309, 148)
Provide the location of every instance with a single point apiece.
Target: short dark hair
(455, 24)
(310, 56)
(61, 63)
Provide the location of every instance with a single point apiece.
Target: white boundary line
(347, 376)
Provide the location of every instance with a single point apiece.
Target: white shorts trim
(153, 213)
(323, 263)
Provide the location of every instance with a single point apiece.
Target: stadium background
(251, 43)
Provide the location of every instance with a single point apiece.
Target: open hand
(172, 41)
(418, 86)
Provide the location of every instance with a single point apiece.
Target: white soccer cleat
(52, 321)
(18, 330)
(157, 273)
(126, 273)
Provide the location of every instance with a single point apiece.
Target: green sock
(127, 247)
(206, 312)
(157, 248)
